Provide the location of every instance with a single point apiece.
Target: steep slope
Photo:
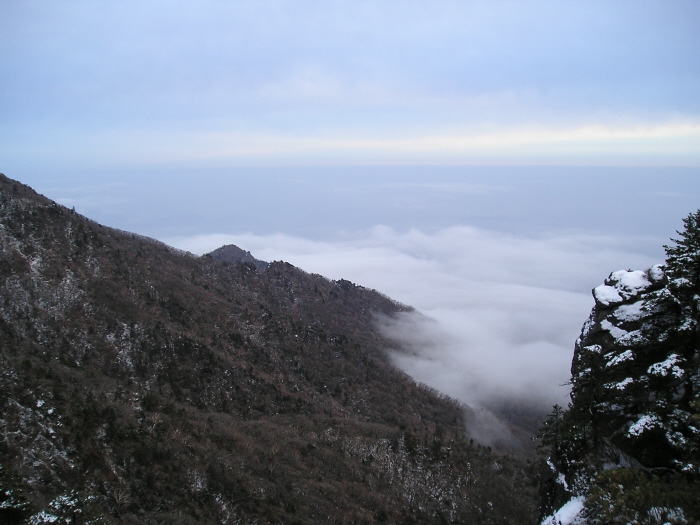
(633, 420)
(140, 384)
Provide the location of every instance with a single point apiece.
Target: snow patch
(60, 506)
(676, 439)
(627, 355)
(633, 338)
(561, 479)
(630, 312)
(584, 372)
(615, 331)
(680, 282)
(628, 283)
(569, 514)
(688, 324)
(666, 367)
(689, 468)
(606, 295)
(42, 517)
(656, 273)
(623, 284)
(621, 385)
(646, 422)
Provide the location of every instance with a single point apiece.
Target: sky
(105, 84)
(485, 162)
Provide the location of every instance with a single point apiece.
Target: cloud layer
(499, 313)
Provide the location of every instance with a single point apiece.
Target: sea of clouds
(498, 314)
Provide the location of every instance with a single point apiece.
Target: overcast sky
(487, 162)
(110, 83)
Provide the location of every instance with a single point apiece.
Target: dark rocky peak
(233, 254)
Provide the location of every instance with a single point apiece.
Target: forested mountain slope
(140, 384)
(628, 448)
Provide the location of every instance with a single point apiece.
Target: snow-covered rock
(635, 379)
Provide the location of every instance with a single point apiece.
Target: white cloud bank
(502, 311)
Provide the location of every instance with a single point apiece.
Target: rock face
(635, 381)
(632, 375)
(141, 384)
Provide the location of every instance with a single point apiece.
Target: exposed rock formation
(635, 383)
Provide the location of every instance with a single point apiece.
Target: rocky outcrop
(634, 376)
(233, 254)
(635, 380)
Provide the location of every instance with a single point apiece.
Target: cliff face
(141, 384)
(632, 372)
(635, 381)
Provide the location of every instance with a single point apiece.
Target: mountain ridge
(141, 384)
